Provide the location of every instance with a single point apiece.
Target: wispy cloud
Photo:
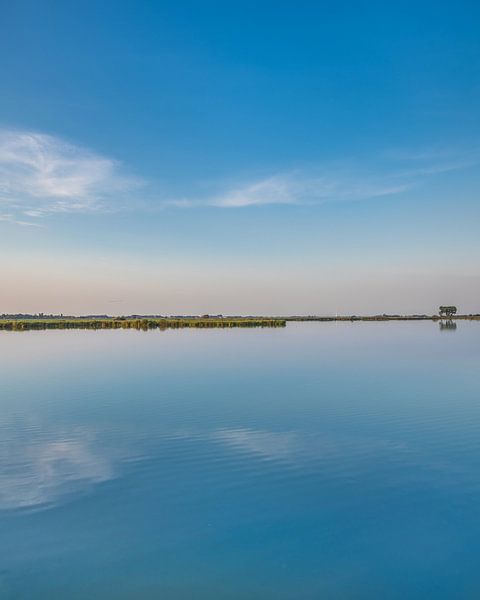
(41, 174)
(9, 218)
(391, 174)
(306, 188)
(433, 161)
(278, 189)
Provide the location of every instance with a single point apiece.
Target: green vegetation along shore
(26, 324)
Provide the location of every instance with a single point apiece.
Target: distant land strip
(473, 317)
(143, 323)
(24, 322)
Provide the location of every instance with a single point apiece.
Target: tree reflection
(448, 325)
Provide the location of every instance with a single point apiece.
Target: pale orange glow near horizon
(109, 287)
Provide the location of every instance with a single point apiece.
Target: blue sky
(239, 157)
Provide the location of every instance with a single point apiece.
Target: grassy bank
(141, 324)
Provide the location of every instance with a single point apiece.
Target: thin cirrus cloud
(42, 174)
(305, 188)
(298, 188)
(347, 182)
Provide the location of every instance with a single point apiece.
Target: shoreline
(473, 317)
(139, 323)
(33, 322)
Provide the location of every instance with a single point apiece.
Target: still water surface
(320, 461)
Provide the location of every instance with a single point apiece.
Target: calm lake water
(320, 461)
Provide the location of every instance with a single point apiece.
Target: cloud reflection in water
(39, 472)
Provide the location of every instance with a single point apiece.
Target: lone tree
(448, 311)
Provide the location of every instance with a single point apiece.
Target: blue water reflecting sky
(317, 461)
